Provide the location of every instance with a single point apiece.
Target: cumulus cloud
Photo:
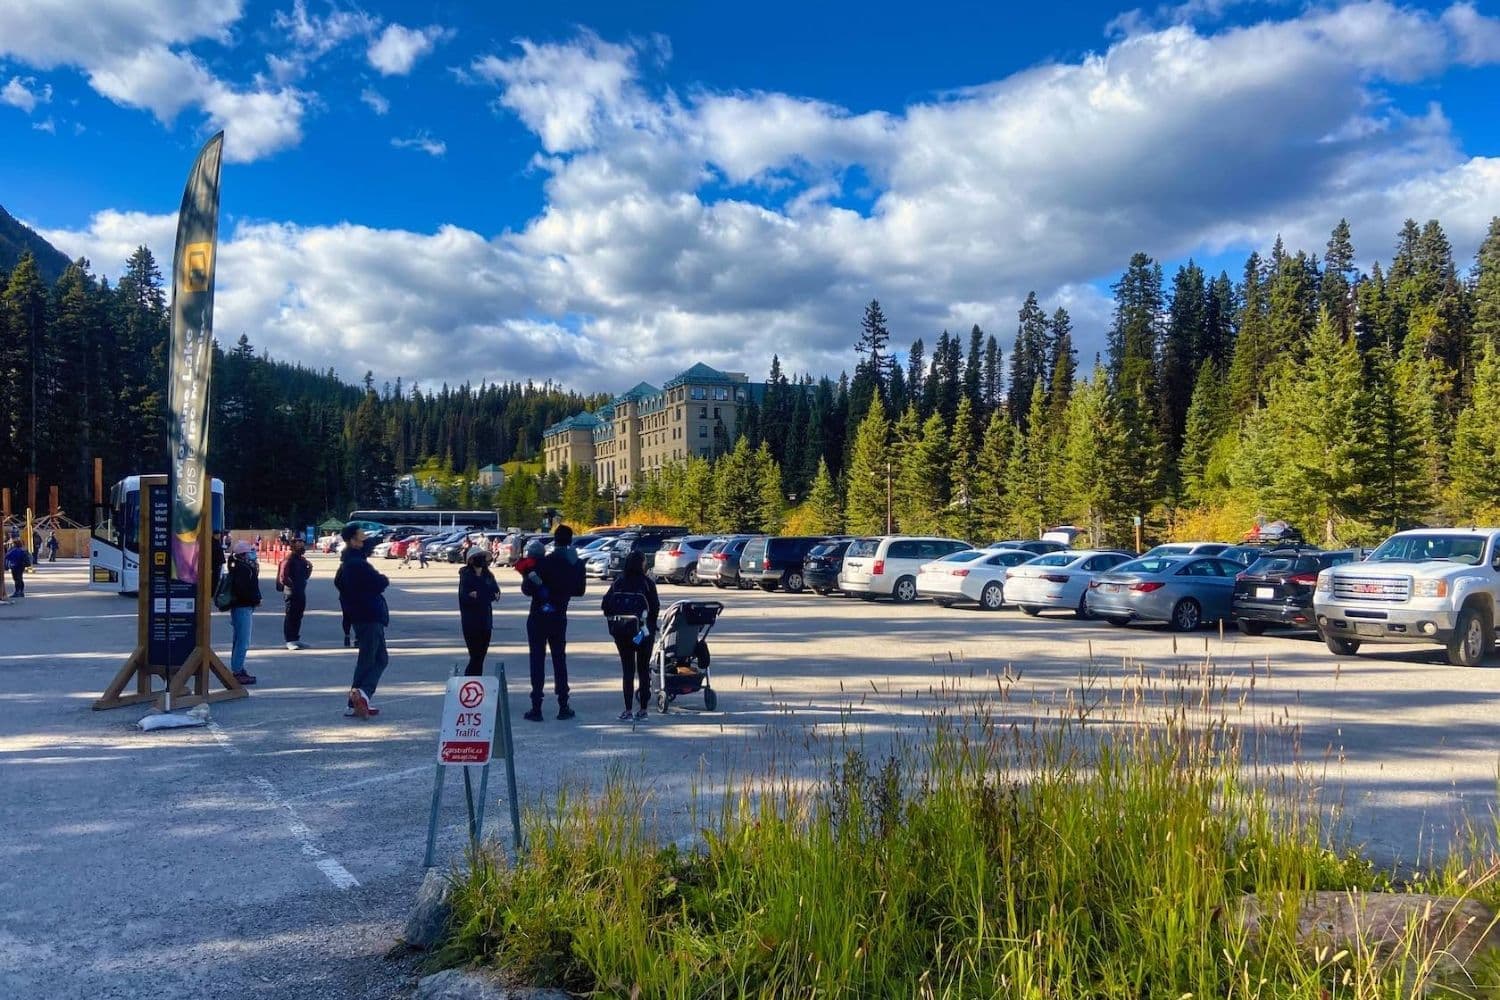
(313, 36)
(375, 101)
(423, 141)
(726, 226)
(398, 47)
(134, 52)
(23, 93)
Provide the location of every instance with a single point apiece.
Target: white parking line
(325, 863)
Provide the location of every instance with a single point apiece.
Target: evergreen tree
(991, 466)
(738, 502)
(1207, 421)
(23, 350)
(1090, 470)
(823, 502)
(1134, 333)
(963, 468)
(974, 374)
(873, 347)
(1028, 486)
(1339, 274)
(915, 359)
(1218, 324)
(1487, 287)
(868, 469)
(1391, 491)
(1029, 360)
(1186, 323)
(1064, 366)
(1474, 489)
(994, 376)
(772, 501)
(1251, 360)
(922, 484)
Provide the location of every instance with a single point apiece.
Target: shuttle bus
(115, 545)
(427, 518)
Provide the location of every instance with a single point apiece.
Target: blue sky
(597, 193)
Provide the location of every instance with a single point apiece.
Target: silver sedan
(1183, 591)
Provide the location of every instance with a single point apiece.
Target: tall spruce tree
(771, 508)
(1206, 423)
(1029, 360)
(1391, 491)
(1474, 486)
(974, 373)
(1339, 275)
(1090, 469)
(1028, 479)
(738, 501)
(990, 471)
(994, 376)
(1487, 287)
(923, 481)
(963, 448)
(915, 359)
(826, 515)
(865, 513)
(873, 347)
(1186, 321)
(1251, 361)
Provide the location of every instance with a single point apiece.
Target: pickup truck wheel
(1340, 646)
(1472, 638)
(1250, 626)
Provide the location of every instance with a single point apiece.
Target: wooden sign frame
(202, 664)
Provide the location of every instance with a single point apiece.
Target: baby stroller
(680, 655)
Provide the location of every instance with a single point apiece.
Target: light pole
(888, 523)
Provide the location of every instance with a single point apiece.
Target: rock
(1448, 933)
(429, 917)
(467, 984)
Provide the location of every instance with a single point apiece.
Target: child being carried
(527, 567)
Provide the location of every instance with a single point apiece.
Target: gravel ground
(275, 853)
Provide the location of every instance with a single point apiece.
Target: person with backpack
(477, 593)
(362, 599)
(243, 576)
(16, 560)
(560, 577)
(291, 579)
(631, 608)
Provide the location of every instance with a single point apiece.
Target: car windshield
(1055, 559)
(825, 549)
(1146, 564)
(1278, 565)
(863, 547)
(967, 555)
(1466, 549)
(1170, 550)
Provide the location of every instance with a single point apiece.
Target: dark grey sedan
(1183, 591)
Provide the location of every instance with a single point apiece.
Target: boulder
(468, 984)
(1449, 934)
(429, 917)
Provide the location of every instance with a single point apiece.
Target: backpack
(223, 594)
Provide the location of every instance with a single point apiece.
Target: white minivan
(887, 565)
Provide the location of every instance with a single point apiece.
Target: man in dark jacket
(562, 578)
(16, 561)
(362, 599)
(296, 569)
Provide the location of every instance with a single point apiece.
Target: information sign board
(170, 638)
(467, 734)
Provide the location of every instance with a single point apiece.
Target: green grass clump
(1061, 861)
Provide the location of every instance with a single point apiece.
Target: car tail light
(1055, 577)
(959, 572)
(765, 564)
(674, 553)
(878, 568)
(1147, 586)
(1306, 579)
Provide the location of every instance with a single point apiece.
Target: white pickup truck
(1434, 585)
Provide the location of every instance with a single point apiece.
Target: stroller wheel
(661, 702)
(700, 653)
(710, 699)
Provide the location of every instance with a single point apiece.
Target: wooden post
(202, 664)
(52, 505)
(5, 504)
(98, 481)
(31, 491)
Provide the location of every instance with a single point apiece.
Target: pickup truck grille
(1372, 588)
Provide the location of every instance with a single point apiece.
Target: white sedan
(971, 575)
(1059, 579)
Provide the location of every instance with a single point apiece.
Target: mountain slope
(16, 239)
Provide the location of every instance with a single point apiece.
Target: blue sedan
(1183, 591)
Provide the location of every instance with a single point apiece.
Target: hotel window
(702, 413)
(703, 430)
(716, 413)
(721, 393)
(698, 392)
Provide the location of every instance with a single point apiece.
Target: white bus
(115, 548)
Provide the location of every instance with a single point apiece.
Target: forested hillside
(1299, 388)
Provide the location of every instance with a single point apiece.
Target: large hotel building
(696, 412)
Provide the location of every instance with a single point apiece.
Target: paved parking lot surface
(274, 854)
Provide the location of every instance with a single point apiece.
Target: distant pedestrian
(559, 578)
(422, 554)
(362, 598)
(477, 593)
(16, 560)
(52, 547)
(244, 598)
(36, 547)
(634, 648)
(292, 579)
(218, 556)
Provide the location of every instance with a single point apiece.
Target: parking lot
(274, 854)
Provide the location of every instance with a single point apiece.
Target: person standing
(16, 560)
(560, 579)
(362, 599)
(52, 547)
(625, 595)
(244, 598)
(292, 579)
(477, 593)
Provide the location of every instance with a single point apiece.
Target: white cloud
(423, 141)
(398, 48)
(134, 52)
(313, 36)
(726, 226)
(46, 125)
(1477, 36)
(23, 93)
(376, 102)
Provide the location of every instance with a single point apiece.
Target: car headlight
(1325, 583)
(1431, 588)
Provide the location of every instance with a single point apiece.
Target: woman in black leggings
(635, 656)
(477, 593)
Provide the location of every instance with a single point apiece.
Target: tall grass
(1099, 853)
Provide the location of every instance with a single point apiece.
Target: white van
(888, 564)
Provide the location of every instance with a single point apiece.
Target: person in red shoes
(362, 599)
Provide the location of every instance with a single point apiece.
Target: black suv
(820, 570)
(646, 541)
(1277, 590)
(776, 560)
